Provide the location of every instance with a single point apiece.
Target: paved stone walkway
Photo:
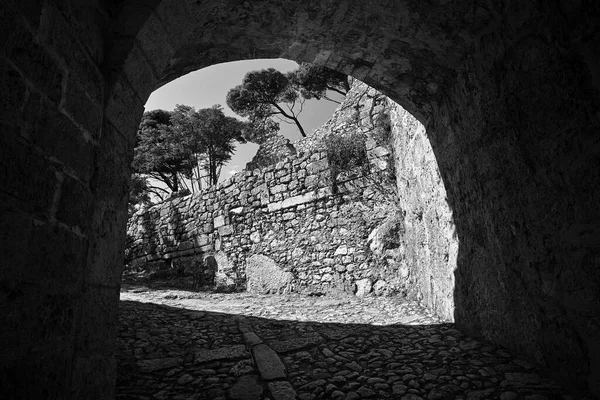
(175, 344)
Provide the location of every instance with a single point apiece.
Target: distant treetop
(267, 97)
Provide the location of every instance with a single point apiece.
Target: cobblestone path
(175, 344)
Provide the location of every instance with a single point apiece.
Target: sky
(209, 86)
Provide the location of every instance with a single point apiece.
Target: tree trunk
(171, 184)
(212, 169)
(292, 117)
(299, 126)
(175, 182)
(337, 90)
(213, 172)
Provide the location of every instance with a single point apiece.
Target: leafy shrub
(345, 153)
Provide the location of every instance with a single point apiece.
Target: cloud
(234, 170)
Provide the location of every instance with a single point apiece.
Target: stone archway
(509, 98)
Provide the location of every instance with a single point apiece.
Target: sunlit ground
(178, 344)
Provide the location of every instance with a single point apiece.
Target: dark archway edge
(508, 94)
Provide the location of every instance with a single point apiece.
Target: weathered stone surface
(369, 360)
(251, 338)
(246, 388)
(219, 221)
(272, 149)
(282, 390)
(299, 200)
(307, 341)
(158, 364)
(380, 287)
(268, 362)
(223, 353)
(264, 276)
(525, 380)
(255, 237)
(363, 287)
(225, 230)
(225, 270)
(429, 241)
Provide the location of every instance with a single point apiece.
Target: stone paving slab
(158, 364)
(186, 345)
(307, 341)
(223, 353)
(268, 362)
(282, 390)
(246, 388)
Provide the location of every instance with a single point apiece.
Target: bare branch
(159, 188)
(336, 90)
(332, 100)
(285, 121)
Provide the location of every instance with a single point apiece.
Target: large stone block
(363, 287)
(155, 42)
(33, 60)
(225, 230)
(178, 20)
(246, 388)
(99, 334)
(46, 123)
(268, 362)
(93, 376)
(26, 174)
(124, 109)
(85, 111)
(53, 254)
(75, 204)
(44, 374)
(84, 92)
(263, 275)
(109, 215)
(317, 166)
(139, 72)
(219, 221)
(14, 90)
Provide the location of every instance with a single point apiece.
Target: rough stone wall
(285, 211)
(63, 187)
(288, 212)
(516, 140)
(274, 149)
(363, 110)
(429, 242)
(264, 276)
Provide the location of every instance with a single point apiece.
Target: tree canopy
(174, 147)
(161, 151)
(139, 192)
(313, 81)
(267, 94)
(211, 136)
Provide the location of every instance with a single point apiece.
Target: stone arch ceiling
(508, 93)
(408, 49)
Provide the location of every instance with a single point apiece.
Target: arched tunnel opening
(508, 96)
(322, 284)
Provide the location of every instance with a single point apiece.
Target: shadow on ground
(167, 352)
